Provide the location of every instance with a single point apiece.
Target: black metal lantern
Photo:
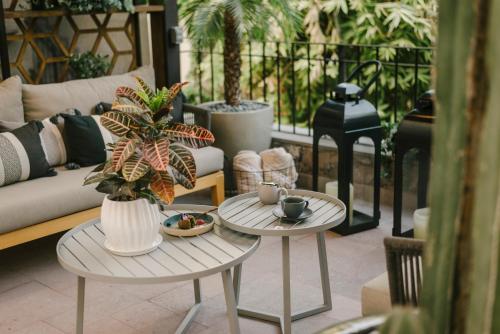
(414, 132)
(347, 117)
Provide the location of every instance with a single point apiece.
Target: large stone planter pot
(132, 227)
(241, 130)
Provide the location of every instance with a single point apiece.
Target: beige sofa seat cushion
(36, 201)
(11, 102)
(41, 101)
(375, 296)
(208, 160)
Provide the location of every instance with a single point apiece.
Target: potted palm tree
(151, 150)
(238, 124)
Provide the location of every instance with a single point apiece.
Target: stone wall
(362, 172)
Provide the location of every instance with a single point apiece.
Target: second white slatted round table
(81, 251)
(245, 213)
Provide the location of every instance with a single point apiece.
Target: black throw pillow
(85, 139)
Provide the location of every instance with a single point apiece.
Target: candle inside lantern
(421, 222)
(332, 188)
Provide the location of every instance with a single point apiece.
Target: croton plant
(148, 144)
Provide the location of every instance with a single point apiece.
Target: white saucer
(156, 243)
(278, 212)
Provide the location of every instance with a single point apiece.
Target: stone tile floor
(38, 296)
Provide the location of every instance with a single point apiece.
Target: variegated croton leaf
(162, 185)
(169, 97)
(182, 161)
(145, 87)
(134, 112)
(173, 91)
(122, 151)
(131, 94)
(156, 153)
(135, 168)
(190, 135)
(118, 123)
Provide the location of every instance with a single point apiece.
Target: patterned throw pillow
(86, 139)
(51, 137)
(22, 156)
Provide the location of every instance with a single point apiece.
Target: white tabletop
(81, 251)
(245, 213)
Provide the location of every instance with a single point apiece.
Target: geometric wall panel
(44, 40)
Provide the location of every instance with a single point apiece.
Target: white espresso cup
(270, 192)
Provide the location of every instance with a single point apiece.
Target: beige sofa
(40, 207)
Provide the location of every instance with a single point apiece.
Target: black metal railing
(297, 77)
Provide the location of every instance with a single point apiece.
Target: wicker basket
(246, 181)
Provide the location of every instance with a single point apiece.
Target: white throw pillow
(11, 102)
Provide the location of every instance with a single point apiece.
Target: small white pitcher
(270, 192)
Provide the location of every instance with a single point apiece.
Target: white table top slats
(265, 221)
(171, 263)
(155, 267)
(191, 247)
(246, 214)
(85, 257)
(213, 250)
(238, 206)
(81, 250)
(70, 258)
(238, 239)
(186, 259)
(128, 262)
(318, 206)
(260, 214)
(244, 211)
(324, 216)
(222, 244)
(104, 257)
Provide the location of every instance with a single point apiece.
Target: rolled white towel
(247, 166)
(279, 167)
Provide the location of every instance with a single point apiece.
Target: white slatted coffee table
(245, 213)
(81, 251)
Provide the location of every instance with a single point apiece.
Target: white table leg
(323, 266)
(287, 303)
(285, 320)
(232, 313)
(237, 281)
(80, 305)
(197, 291)
(188, 319)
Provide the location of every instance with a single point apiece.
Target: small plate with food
(188, 224)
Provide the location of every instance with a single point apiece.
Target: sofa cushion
(36, 201)
(375, 296)
(22, 156)
(208, 160)
(11, 108)
(41, 101)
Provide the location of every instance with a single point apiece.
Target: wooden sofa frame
(214, 181)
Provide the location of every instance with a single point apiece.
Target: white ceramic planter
(131, 228)
(244, 130)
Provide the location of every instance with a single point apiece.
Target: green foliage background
(402, 30)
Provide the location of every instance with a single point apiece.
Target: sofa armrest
(202, 116)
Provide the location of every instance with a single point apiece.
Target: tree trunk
(461, 292)
(232, 61)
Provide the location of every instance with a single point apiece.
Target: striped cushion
(51, 139)
(21, 155)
